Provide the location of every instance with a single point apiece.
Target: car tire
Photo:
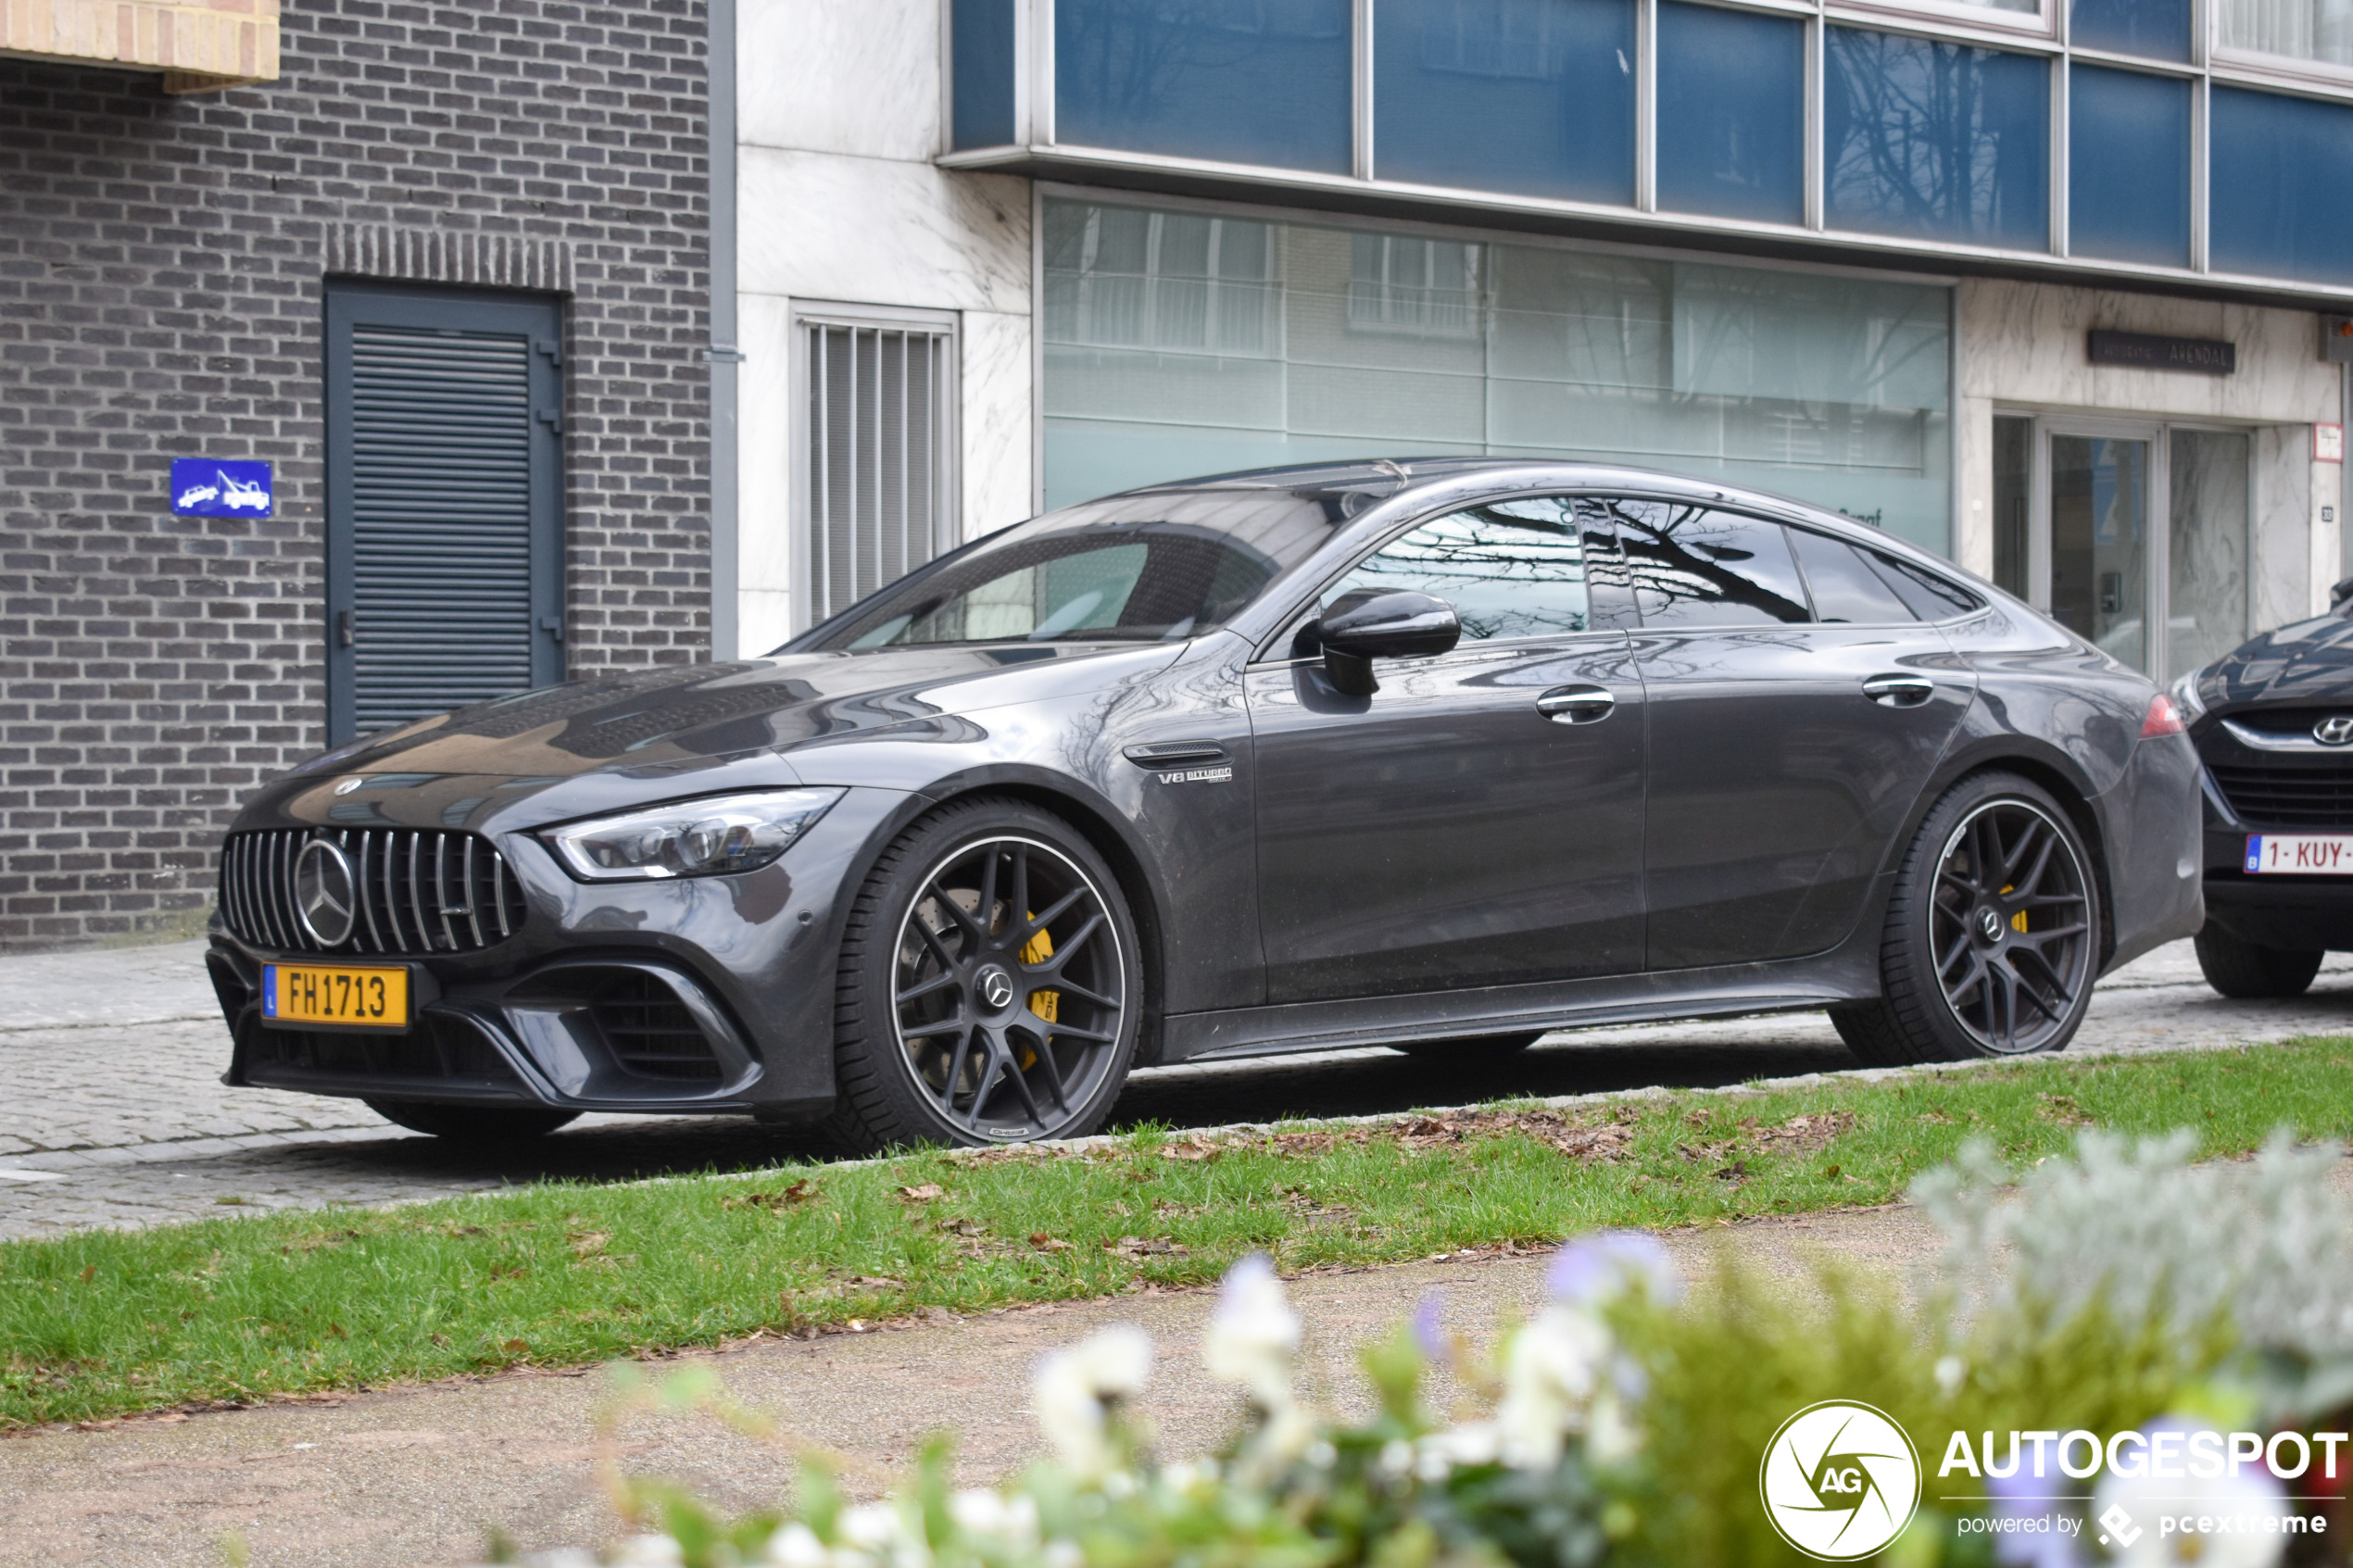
(1477, 1049)
(2245, 969)
(470, 1123)
(946, 1028)
(2017, 961)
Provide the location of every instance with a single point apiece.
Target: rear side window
(1931, 597)
(1846, 588)
(1511, 568)
(1695, 566)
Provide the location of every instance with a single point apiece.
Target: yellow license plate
(334, 994)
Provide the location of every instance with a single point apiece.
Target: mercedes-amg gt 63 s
(1437, 755)
(2273, 723)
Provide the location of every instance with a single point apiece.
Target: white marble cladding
(2025, 347)
(839, 202)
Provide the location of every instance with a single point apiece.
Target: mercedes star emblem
(325, 893)
(2334, 730)
(996, 987)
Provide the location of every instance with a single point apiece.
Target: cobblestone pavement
(114, 1114)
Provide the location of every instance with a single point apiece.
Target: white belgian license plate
(2301, 854)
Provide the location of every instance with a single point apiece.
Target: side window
(1511, 568)
(1846, 588)
(1695, 566)
(1931, 597)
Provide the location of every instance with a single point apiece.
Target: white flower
(981, 1512)
(1474, 1442)
(1064, 1555)
(1599, 1268)
(1076, 1386)
(795, 1546)
(650, 1552)
(1611, 1434)
(1253, 1333)
(1551, 1375)
(1951, 1372)
(2242, 1502)
(874, 1526)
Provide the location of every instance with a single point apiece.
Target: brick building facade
(163, 262)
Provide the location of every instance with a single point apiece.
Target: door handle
(1899, 691)
(1576, 705)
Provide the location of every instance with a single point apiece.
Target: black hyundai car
(2274, 724)
(1437, 755)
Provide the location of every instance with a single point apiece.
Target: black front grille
(2272, 795)
(650, 1032)
(419, 892)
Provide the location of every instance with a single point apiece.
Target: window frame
(948, 528)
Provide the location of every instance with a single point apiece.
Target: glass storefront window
(1731, 113)
(2318, 31)
(1180, 345)
(1259, 82)
(1532, 97)
(1933, 140)
(2128, 158)
(2276, 209)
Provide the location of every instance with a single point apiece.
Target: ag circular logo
(325, 893)
(1839, 1480)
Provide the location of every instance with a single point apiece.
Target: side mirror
(1367, 623)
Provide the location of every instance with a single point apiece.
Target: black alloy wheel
(1003, 1008)
(1993, 935)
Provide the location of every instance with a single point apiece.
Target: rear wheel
(470, 1123)
(2242, 969)
(1475, 1049)
(1992, 936)
(988, 985)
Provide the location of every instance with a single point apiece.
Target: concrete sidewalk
(412, 1478)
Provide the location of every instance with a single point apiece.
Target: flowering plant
(2127, 1291)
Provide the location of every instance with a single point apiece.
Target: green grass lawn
(242, 1309)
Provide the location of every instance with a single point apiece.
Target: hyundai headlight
(709, 837)
(2186, 698)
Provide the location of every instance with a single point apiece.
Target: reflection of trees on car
(1693, 556)
(1511, 568)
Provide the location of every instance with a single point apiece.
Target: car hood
(2310, 662)
(689, 714)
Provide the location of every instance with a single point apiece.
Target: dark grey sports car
(2273, 723)
(1436, 755)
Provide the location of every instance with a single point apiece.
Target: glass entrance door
(2119, 530)
(2099, 530)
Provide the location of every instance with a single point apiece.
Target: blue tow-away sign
(219, 487)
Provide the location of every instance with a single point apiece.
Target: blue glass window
(1535, 97)
(1259, 82)
(2127, 167)
(982, 83)
(2158, 29)
(1731, 113)
(2278, 209)
(1937, 141)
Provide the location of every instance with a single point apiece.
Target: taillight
(2163, 718)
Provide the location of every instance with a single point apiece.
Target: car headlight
(707, 838)
(2184, 696)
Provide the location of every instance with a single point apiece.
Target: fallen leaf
(589, 1243)
(792, 1196)
(923, 1194)
(515, 1347)
(1045, 1243)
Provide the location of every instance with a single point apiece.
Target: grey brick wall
(161, 262)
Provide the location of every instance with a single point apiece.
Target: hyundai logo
(325, 893)
(2334, 730)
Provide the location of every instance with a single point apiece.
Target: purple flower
(1600, 1267)
(1429, 1330)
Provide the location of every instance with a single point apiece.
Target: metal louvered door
(444, 511)
(878, 448)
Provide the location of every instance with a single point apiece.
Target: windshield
(1131, 569)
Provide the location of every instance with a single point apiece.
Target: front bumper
(2296, 914)
(699, 996)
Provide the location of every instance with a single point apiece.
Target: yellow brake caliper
(2018, 921)
(1045, 1004)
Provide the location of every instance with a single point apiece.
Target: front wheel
(2243, 970)
(470, 1123)
(1992, 938)
(989, 987)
